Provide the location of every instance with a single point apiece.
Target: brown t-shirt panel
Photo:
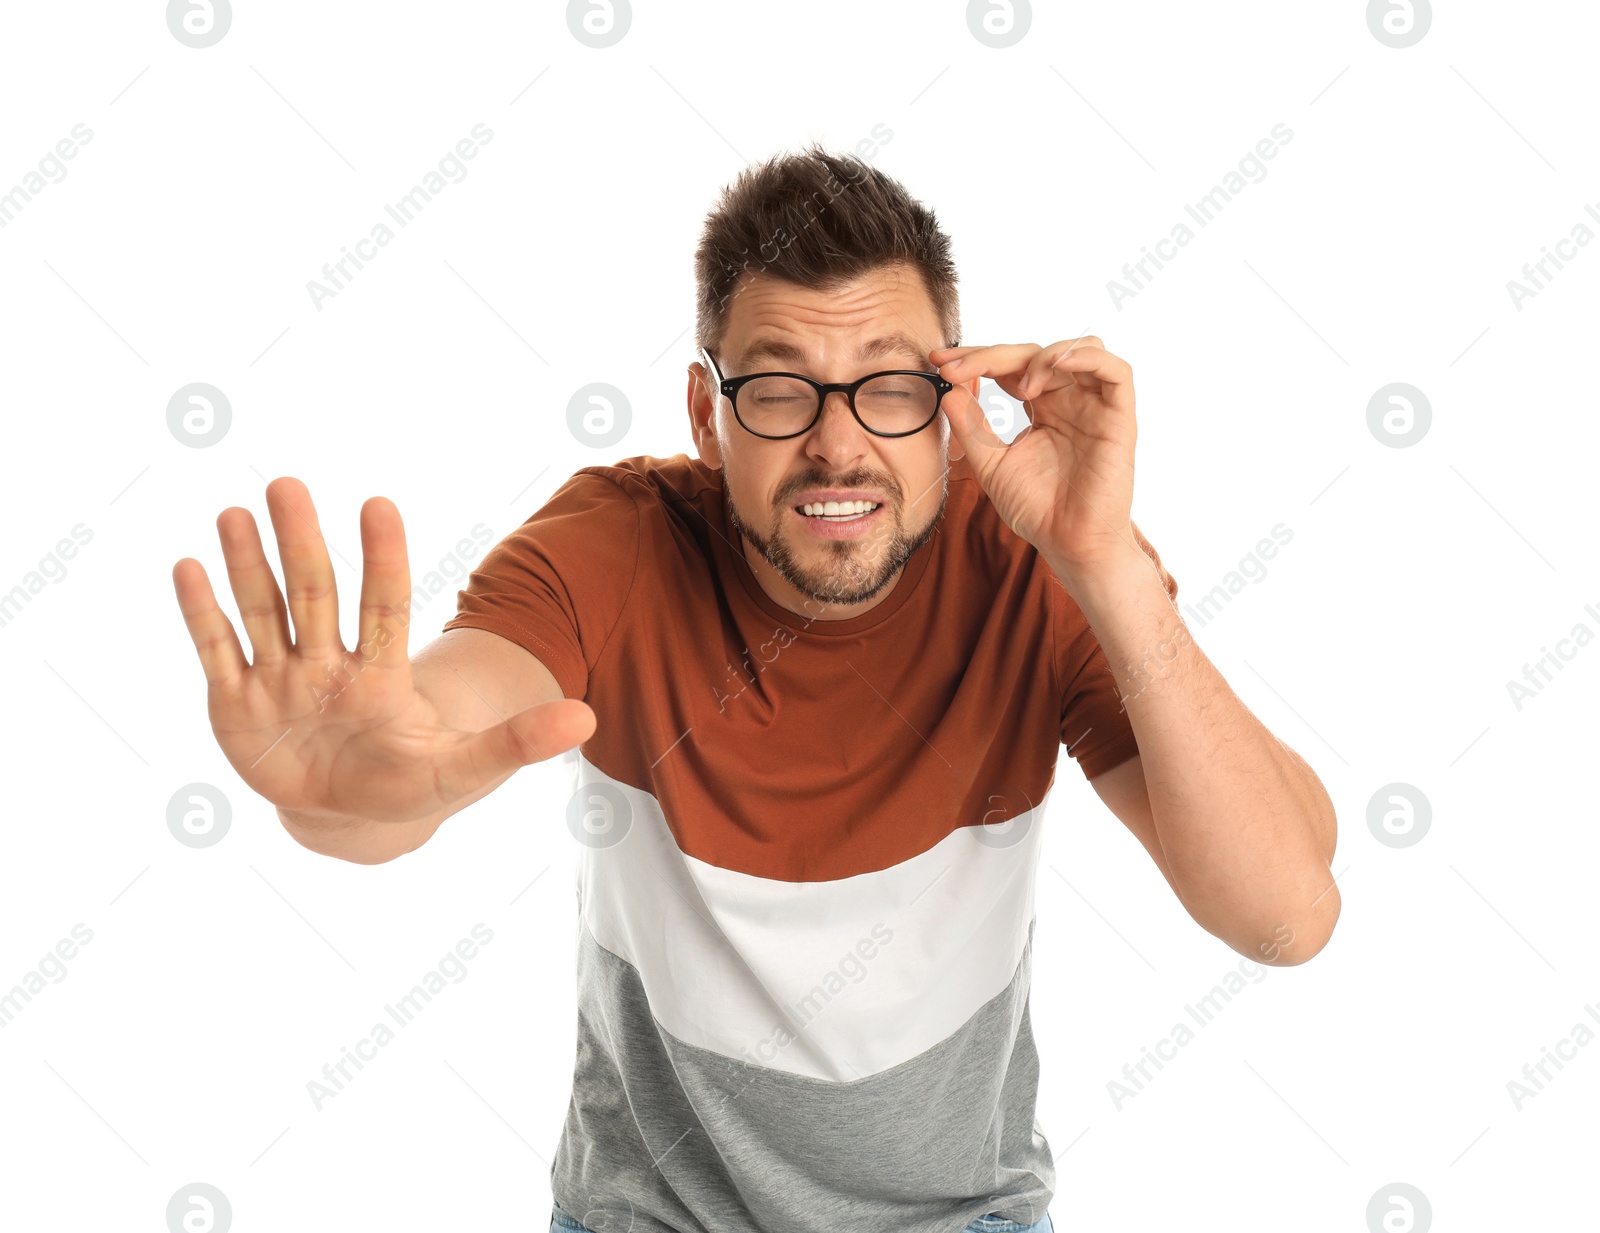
(789, 747)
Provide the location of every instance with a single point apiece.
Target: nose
(837, 438)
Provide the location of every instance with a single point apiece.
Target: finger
(385, 585)
(1041, 377)
(943, 355)
(972, 428)
(955, 353)
(307, 572)
(255, 586)
(1004, 360)
(221, 656)
(1099, 365)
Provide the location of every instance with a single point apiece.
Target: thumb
(529, 736)
(972, 429)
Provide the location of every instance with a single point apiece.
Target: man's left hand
(1065, 483)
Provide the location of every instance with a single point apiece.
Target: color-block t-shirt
(806, 865)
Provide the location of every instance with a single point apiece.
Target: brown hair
(819, 220)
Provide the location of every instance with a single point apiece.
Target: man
(818, 677)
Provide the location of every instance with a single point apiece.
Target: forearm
(1246, 827)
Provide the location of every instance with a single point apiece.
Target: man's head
(821, 265)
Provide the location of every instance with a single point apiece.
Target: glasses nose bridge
(846, 389)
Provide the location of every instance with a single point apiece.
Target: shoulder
(649, 483)
(676, 476)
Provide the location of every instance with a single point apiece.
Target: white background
(1418, 580)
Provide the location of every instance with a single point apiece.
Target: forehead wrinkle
(777, 349)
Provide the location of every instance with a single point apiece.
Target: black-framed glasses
(779, 405)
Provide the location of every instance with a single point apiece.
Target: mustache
(856, 479)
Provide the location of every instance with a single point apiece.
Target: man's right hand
(314, 727)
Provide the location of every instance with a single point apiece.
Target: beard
(852, 571)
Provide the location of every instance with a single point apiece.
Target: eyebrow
(777, 349)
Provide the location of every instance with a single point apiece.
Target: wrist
(1123, 572)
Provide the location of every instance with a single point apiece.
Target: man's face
(844, 564)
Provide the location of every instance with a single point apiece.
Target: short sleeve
(1094, 725)
(556, 585)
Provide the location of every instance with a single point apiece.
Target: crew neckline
(731, 557)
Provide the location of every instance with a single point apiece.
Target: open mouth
(836, 511)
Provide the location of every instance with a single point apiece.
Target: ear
(702, 416)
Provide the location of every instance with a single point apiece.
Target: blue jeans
(563, 1221)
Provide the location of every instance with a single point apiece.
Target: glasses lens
(776, 406)
(897, 402)
(892, 404)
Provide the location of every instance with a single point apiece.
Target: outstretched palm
(312, 726)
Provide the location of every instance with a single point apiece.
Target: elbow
(1328, 830)
(1297, 940)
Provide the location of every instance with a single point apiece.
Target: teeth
(833, 509)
